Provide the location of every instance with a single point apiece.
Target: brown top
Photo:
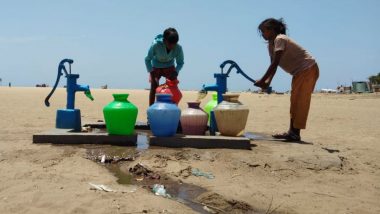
(294, 59)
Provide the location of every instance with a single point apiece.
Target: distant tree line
(375, 79)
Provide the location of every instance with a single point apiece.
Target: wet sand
(337, 170)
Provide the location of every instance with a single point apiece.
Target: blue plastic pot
(163, 116)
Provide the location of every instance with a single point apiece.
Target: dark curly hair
(277, 25)
(171, 35)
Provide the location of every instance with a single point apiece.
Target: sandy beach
(336, 170)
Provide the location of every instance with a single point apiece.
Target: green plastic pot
(211, 105)
(120, 115)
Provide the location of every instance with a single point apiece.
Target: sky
(108, 39)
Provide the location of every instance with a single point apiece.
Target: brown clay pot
(194, 120)
(231, 115)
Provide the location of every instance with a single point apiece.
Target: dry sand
(273, 177)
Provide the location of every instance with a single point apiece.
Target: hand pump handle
(60, 68)
(238, 69)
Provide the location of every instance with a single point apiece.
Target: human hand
(262, 84)
(173, 75)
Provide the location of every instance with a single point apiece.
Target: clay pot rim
(163, 97)
(194, 104)
(231, 97)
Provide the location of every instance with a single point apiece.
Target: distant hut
(361, 87)
(344, 89)
(347, 89)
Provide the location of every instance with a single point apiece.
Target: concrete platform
(101, 125)
(140, 125)
(66, 136)
(98, 135)
(201, 142)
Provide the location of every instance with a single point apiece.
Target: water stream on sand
(116, 155)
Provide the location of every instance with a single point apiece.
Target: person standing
(296, 61)
(164, 59)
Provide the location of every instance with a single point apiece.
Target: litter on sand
(105, 188)
(143, 172)
(103, 160)
(100, 187)
(159, 189)
(208, 209)
(199, 173)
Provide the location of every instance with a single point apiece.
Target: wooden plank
(65, 136)
(201, 142)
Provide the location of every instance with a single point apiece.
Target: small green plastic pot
(210, 105)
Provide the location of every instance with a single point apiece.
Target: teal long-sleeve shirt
(158, 57)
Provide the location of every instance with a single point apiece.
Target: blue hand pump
(69, 118)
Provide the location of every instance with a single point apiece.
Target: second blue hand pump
(221, 87)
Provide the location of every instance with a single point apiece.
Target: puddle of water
(142, 142)
(186, 194)
(122, 177)
(255, 136)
